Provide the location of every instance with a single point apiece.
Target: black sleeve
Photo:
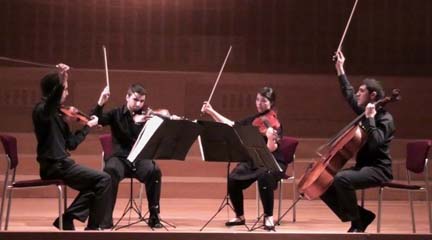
(73, 140)
(379, 130)
(349, 93)
(104, 118)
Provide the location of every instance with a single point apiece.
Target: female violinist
(373, 162)
(243, 175)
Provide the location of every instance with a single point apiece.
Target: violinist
(244, 174)
(126, 123)
(373, 162)
(54, 141)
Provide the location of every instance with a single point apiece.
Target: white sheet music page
(146, 133)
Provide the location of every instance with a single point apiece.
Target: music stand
(164, 139)
(222, 143)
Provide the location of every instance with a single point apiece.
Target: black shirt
(123, 128)
(379, 130)
(245, 170)
(52, 132)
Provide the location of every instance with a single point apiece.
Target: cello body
(319, 175)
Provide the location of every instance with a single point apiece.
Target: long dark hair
(268, 93)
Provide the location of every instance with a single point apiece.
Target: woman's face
(262, 103)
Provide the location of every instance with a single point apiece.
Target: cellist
(373, 162)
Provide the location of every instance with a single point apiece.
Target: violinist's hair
(268, 93)
(49, 82)
(136, 88)
(372, 85)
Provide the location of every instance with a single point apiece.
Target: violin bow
(106, 66)
(220, 73)
(28, 62)
(347, 25)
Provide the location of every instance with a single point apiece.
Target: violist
(244, 174)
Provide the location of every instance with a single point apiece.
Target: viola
(73, 114)
(265, 121)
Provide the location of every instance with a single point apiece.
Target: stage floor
(31, 218)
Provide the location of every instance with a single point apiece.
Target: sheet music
(146, 133)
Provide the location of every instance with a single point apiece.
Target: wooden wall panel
(272, 36)
(310, 105)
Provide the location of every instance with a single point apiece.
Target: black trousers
(341, 196)
(94, 188)
(146, 171)
(267, 183)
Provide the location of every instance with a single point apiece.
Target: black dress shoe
(355, 229)
(154, 222)
(236, 222)
(367, 217)
(67, 223)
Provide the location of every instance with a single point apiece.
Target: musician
(373, 162)
(126, 123)
(244, 174)
(54, 141)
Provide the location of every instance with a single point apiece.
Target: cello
(333, 155)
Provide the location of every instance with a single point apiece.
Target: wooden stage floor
(32, 219)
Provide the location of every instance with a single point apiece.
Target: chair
(106, 142)
(10, 148)
(288, 146)
(416, 163)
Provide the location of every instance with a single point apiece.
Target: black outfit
(124, 134)
(54, 141)
(373, 162)
(244, 174)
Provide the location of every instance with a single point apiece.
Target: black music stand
(164, 139)
(222, 143)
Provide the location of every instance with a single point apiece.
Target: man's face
(364, 96)
(135, 102)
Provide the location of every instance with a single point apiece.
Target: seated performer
(126, 123)
(244, 174)
(373, 163)
(54, 141)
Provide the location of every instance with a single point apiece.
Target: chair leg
(3, 199)
(280, 198)
(60, 207)
(412, 211)
(380, 193)
(294, 200)
(429, 209)
(9, 194)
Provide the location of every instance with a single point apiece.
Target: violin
(143, 115)
(73, 114)
(265, 121)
